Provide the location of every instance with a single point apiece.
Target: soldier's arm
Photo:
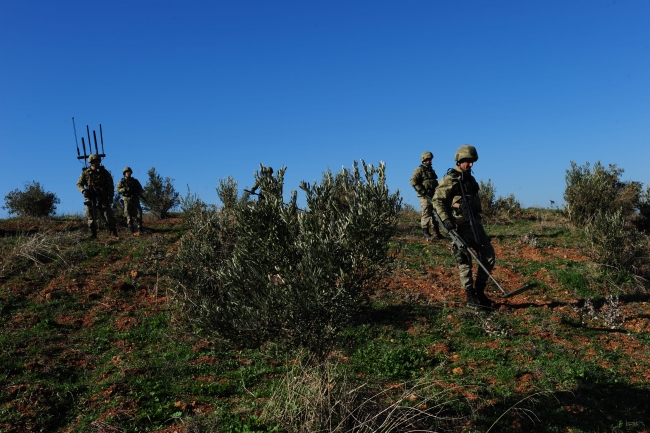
(443, 197)
(110, 186)
(416, 180)
(138, 185)
(121, 188)
(81, 183)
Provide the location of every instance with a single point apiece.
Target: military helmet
(127, 168)
(94, 157)
(269, 171)
(426, 155)
(466, 151)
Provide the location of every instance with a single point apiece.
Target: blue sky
(204, 90)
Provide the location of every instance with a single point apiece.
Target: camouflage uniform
(131, 191)
(447, 194)
(97, 186)
(265, 172)
(425, 181)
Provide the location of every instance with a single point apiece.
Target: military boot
(482, 298)
(427, 236)
(114, 231)
(93, 233)
(131, 227)
(472, 302)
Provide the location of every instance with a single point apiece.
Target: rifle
(260, 195)
(93, 200)
(461, 243)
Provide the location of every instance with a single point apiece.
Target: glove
(449, 224)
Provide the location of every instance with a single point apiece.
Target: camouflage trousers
(103, 208)
(132, 211)
(464, 259)
(427, 220)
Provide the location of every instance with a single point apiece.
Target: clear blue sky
(206, 89)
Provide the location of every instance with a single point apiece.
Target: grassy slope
(88, 341)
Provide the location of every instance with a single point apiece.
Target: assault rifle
(462, 244)
(261, 195)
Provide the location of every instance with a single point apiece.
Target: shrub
(159, 195)
(612, 244)
(33, 201)
(642, 220)
(501, 207)
(590, 190)
(487, 194)
(263, 270)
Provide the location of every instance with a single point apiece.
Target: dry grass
(45, 246)
(317, 397)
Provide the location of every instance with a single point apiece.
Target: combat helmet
(426, 155)
(94, 157)
(466, 151)
(127, 168)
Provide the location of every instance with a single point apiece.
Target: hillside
(90, 342)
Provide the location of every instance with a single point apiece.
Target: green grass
(109, 356)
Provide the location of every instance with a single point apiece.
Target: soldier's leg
(92, 224)
(425, 217)
(127, 214)
(465, 271)
(108, 215)
(138, 215)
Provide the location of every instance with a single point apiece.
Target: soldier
(266, 172)
(425, 181)
(96, 184)
(131, 191)
(454, 212)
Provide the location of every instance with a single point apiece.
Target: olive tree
(257, 271)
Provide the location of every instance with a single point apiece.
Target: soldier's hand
(449, 224)
(85, 192)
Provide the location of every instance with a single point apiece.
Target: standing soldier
(131, 191)
(457, 203)
(425, 181)
(96, 184)
(267, 172)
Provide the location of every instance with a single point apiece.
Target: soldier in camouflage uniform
(131, 191)
(266, 172)
(448, 204)
(96, 184)
(425, 181)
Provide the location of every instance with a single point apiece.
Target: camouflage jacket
(448, 193)
(424, 180)
(99, 181)
(129, 187)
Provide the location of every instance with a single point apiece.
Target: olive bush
(612, 244)
(496, 207)
(265, 270)
(590, 190)
(33, 201)
(642, 220)
(159, 195)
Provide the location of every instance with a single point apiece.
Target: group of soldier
(456, 203)
(96, 185)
